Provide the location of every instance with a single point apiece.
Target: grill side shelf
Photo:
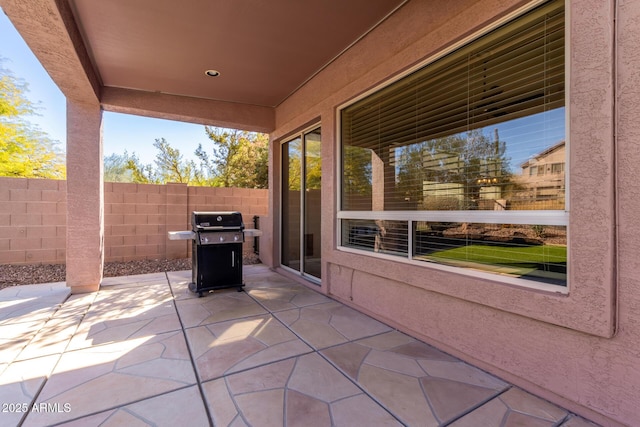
(181, 235)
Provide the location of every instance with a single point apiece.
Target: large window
(462, 162)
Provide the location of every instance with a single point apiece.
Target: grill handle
(217, 228)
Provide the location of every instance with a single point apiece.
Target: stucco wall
(137, 218)
(579, 350)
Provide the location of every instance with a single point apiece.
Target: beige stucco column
(377, 182)
(85, 197)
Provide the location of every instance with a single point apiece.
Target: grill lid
(216, 221)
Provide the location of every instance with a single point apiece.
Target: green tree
(239, 158)
(313, 163)
(292, 164)
(261, 165)
(357, 170)
(25, 151)
(411, 173)
(202, 173)
(115, 168)
(127, 168)
(170, 167)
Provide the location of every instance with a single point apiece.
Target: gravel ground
(13, 275)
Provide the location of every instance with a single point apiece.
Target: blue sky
(120, 131)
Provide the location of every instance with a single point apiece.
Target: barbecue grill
(216, 250)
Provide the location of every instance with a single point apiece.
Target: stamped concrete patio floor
(145, 351)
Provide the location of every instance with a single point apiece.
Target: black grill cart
(216, 256)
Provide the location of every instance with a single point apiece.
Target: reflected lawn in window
(544, 263)
(533, 252)
(525, 251)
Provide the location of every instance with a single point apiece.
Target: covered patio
(300, 71)
(146, 351)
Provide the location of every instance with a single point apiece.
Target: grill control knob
(235, 238)
(222, 238)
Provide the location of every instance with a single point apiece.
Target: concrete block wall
(32, 221)
(135, 221)
(137, 218)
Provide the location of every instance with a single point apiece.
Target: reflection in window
(542, 190)
(453, 135)
(524, 251)
(291, 179)
(479, 130)
(388, 237)
(357, 177)
(312, 203)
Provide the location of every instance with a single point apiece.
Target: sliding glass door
(301, 203)
(291, 179)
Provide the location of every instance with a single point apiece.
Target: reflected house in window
(542, 179)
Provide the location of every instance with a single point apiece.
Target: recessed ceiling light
(212, 73)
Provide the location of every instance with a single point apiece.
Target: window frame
(537, 217)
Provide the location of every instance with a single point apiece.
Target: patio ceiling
(264, 50)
